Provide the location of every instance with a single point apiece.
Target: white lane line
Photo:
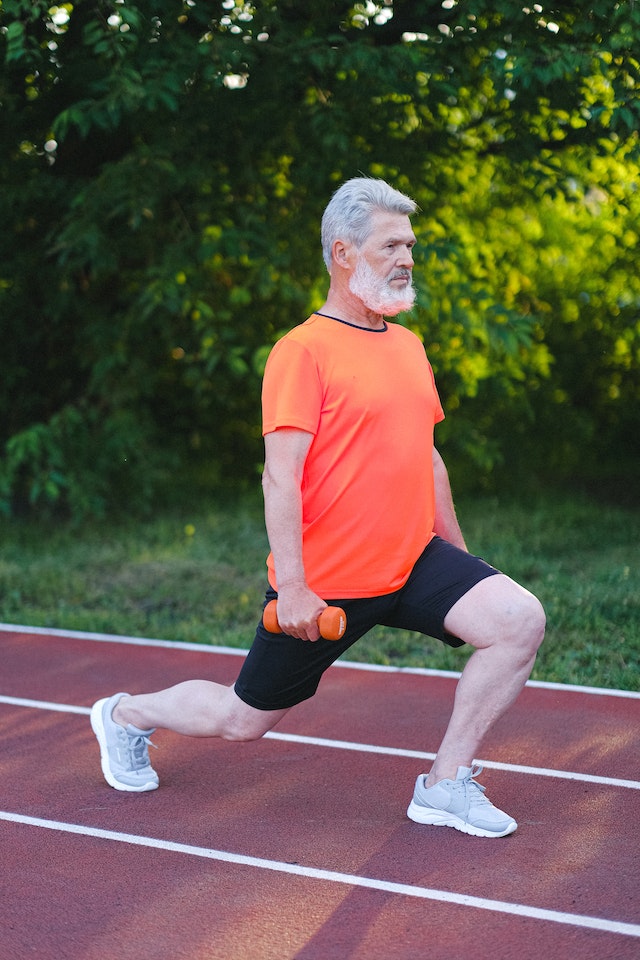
(419, 755)
(365, 748)
(331, 876)
(348, 664)
(44, 705)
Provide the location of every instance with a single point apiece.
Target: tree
(166, 169)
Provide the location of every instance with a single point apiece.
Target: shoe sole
(440, 818)
(97, 726)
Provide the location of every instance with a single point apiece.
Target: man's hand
(298, 611)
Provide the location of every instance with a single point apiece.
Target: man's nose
(406, 257)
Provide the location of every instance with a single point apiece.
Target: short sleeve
(291, 389)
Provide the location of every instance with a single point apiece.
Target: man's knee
(241, 733)
(244, 729)
(520, 625)
(531, 622)
(244, 723)
(519, 630)
(498, 611)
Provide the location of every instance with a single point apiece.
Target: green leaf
(16, 34)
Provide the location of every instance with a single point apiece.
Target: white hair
(348, 214)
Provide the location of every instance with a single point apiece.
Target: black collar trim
(356, 326)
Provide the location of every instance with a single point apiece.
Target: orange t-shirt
(370, 400)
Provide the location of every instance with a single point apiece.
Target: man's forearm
(283, 520)
(298, 606)
(446, 522)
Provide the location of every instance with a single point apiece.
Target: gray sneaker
(460, 804)
(124, 754)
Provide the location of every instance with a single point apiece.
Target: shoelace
(138, 745)
(468, 784)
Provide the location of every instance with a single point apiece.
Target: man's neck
(353, 311)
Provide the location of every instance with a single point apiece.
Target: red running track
(298, 846)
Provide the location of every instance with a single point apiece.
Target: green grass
(198, 574)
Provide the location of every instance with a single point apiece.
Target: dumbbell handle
(332, 622)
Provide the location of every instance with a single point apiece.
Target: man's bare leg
(505, 623)
(197, 708)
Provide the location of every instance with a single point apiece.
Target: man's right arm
(285, 454)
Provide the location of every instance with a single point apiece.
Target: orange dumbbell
(332, 622)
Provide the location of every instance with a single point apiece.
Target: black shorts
(280, 671)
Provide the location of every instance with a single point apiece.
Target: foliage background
(164, 169)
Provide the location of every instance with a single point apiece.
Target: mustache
(401, 275)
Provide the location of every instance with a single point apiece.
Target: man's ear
(342, 253)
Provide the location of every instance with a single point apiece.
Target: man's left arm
(446, 523)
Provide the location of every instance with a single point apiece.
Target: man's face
(382, 274)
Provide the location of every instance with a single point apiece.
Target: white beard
(376, 292)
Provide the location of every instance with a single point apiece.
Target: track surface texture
(298, 846)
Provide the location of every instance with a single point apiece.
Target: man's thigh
(440, 578)
(495, 609)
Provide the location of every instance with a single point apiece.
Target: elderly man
(359, 513)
